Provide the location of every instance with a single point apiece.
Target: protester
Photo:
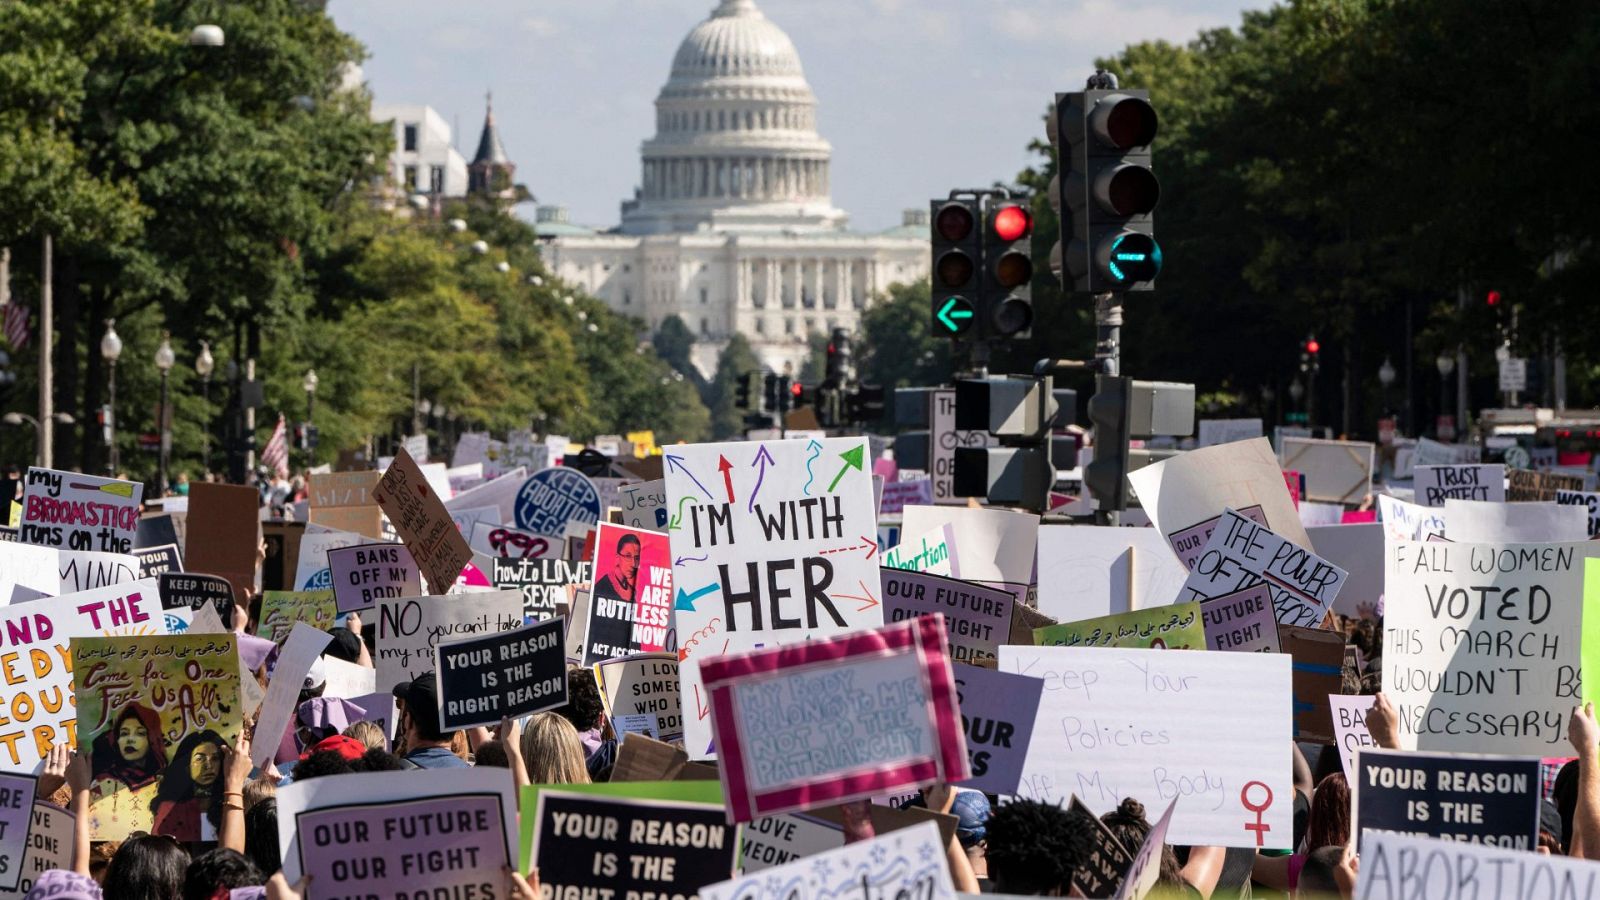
(147, 867)
(552, 752)
(1033, 848)
(219, 870)
(425, 745)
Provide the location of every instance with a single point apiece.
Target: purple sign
(405, 848)
(1242, 621)
(16, 808)
(977, 618)
(1190, 543)
(897, 495)
(997, 713)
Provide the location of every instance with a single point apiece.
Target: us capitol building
(733, 229)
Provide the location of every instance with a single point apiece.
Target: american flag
(276, 454)
(16, 325)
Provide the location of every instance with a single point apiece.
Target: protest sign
(1174, 627)
(630, 604)
(644, 685)
(1101, 873)
(1335, 471)
(1589, 502)
(156, 529)
(33, 709)
(774, 840)
(1145, 870)
(311, 571)
(977, 618)
(1527, 486)
(1357, 549)
(1116, 723)
(51, 838)
(1460, 796)
(905, 863)
(155, 715)
(1405, 521)
(644, 841)
(1242, 554)
(550, 498)
(997, 715)
(773, 545)
(408, 628)
(995, 546)
(1436, 484)
(418, 514)
(29, 571)
(300, 652)
(542, 583)
(365, 573)
(183, 590)
(1087, 571)
(1318, 671)
(644, 504)
(1242, 621)
(155, 561)
(1211, 432)
(500, 493)
(934, 553)
(943, 441)
(495, 540)
(78, 512)
(1481, 643)
(1396, 866)
(225, 520)
(1350, 731)
(439, 832)
(486, 677)
(1434, 453)
(16, 814)
(836, 719)
(344, 501)
(1185, 494)
(1471, 522)
(281, 609)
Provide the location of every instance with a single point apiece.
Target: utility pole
(47, 330)
(1108, 333)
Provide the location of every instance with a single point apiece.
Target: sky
(916, 96)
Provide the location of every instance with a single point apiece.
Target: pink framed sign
(834, 720)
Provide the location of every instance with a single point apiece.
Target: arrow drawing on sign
(816, 451)
(686, 599)
(763, 459)
(869, 600)
(700, 711)
(726, 468)
(867, 544)
(677, 520)
(683, 559)
(676, 462)
(853, 459)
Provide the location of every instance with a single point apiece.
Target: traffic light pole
(1108, 333)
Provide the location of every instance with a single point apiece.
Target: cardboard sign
(1318, 671)
(1116, 723)
(1175, 627)
(1087, 571)
(50, 843)
(1243, 554)
(410, 627)
(905, 863)
(365, 573)
(438, 832)
(16, 813)
(281, 609)
(79, 512)
(183, 590)
(1514, 523)
(550, 498)
(345, 501)
(509, 673)
(1419, 868)
(774, 544)
(1481, 643)
(977, 618)
(1350, 733)
(160, 560)
(934, 553)
(836, 719)
(503, 541)
(424, 524)
(155, 715)
(1212, 432)
(1101, 874)
(542, 583)
(1191, 489)
(1527, 486)
(997, 716)
(1589, 501)
(774, 840)
(644, 685)
(1242, 621)
(1463, 797)
(644, 504)
(630, 604)
(1436, 484)
(633, 845)
(1335, 471)
(225, 523)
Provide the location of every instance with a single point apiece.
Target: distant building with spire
(491, 172)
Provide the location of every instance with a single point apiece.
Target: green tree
(736, 360)
(897, 348)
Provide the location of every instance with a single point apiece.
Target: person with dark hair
(1195, 877)
(491, 753)
(426, 745)
(1328, 872)
(1035, 847)
(1328, 825)
(191, 787)
(220, 870)
(587, 713)
(261, 835)
(623, 579)
(147, 867)
(129, 754)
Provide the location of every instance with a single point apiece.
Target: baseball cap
(348, 748)
(971, 810)
(421, 698)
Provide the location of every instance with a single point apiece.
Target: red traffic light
(1312, 346)
(796, 388)
(953, 221)
(1011, 223)
(1494, 298)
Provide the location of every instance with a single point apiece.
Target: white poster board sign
(1418, 868)
(1403, 520)
(909, 863)
(1335, 471)
(993, 546)
(1463, 481)
(1185, 494)
(1243, 554)
(410, 627)
(1357, 549)
(1470, 521)
(1088, 571)
(1225, 431)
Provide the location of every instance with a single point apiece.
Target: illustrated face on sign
(133, 739)
(627, 565)
(205, 764)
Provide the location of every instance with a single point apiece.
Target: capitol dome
(736, 146)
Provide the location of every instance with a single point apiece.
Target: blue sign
(551, 498)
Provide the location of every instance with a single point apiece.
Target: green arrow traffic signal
(956, 315)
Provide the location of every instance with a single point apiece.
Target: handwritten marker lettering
(1260, 828)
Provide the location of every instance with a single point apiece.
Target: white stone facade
(425, 160)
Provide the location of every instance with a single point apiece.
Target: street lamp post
(310, 385)
(16, 418)
(110, 349)
(165, 359)
(1386, 376)
(204, 365)
(1446, 364)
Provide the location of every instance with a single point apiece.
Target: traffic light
(864, 404)
(1493, 298)
(957, 256)
(746, 391)
(1123, 409)
(1005, 292)
(1021, 412)
(841, 366)
(1310, 354)
(1105, 191)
